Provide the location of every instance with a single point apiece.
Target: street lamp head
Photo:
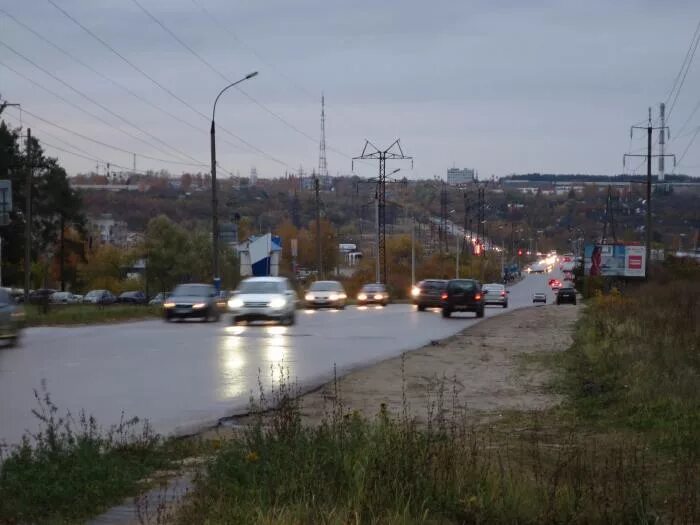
(251, 75)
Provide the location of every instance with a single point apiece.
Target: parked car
(427, 293)
(63, 298)
(192, 301)
(132, 298)
(326, 294)
(566, 295)
(11, 318)
(539, 297)
(41, 295)
(373, 294)
(159, 298)
(99, 297)
(264, 299)
(463, 295)
(496, 294)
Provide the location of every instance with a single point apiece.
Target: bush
(71, 470)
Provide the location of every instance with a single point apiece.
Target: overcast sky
(502, 86)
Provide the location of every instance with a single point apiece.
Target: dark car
(428, 293)
(42, 295)
(566, 295)
(11, 318)
(192, 301)
(100, 297)
(132, 298)
(463, 295)
(373, 294)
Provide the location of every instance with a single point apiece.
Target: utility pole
(648, 228)
(377, 256)
(28, 217)
(457, 257)
(319, 260)
(382, 156)
(413, 251)
(443, 217)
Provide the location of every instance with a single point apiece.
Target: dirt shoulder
(479, 369)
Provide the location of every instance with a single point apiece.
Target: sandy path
(478, 368)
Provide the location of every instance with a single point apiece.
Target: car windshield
(435, 285)
(462, 286)
(494, 287)
(262, 287)
(324, 286)
(94, 293)
(373, 288)
(192, 290)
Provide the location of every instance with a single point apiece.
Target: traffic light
(477, 249)
(520, 252)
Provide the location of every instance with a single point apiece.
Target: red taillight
(503, 294)
(477, 297)
(443, 295)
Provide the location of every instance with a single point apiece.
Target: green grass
(71, 470)
(76, 314)
(623, 448)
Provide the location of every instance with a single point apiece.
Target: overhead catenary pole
(28, 217)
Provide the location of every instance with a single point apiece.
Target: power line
(107, 78)
(98, 104)
(216, 71)
(159, 85)
(683, 72)
(110, 146)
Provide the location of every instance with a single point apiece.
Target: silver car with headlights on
(326, 294)
(264, 299)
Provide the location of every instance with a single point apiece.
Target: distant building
(107, 230)
(456, 176)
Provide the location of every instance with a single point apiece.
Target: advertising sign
(615, 260)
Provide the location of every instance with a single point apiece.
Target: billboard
(615, 260)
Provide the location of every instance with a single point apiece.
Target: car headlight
(343, 296)
(362, 297)
(168, 305)
(198, 306)
(333, 297)
(235, 302)
(378, 296)
(415, 291)
(278, 302)
(309, 297)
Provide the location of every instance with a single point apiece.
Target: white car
(264, 299)
(63, 298)
(495, 294)
(539, 297)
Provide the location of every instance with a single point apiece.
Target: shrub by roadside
(76, 314)
(71, 470)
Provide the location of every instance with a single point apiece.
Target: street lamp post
(214, 200)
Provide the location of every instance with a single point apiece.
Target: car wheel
(505, 305)
(12, 342)
(421, 308)
(446, 312)
(480, 313)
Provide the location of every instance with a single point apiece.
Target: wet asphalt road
(182, 376)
